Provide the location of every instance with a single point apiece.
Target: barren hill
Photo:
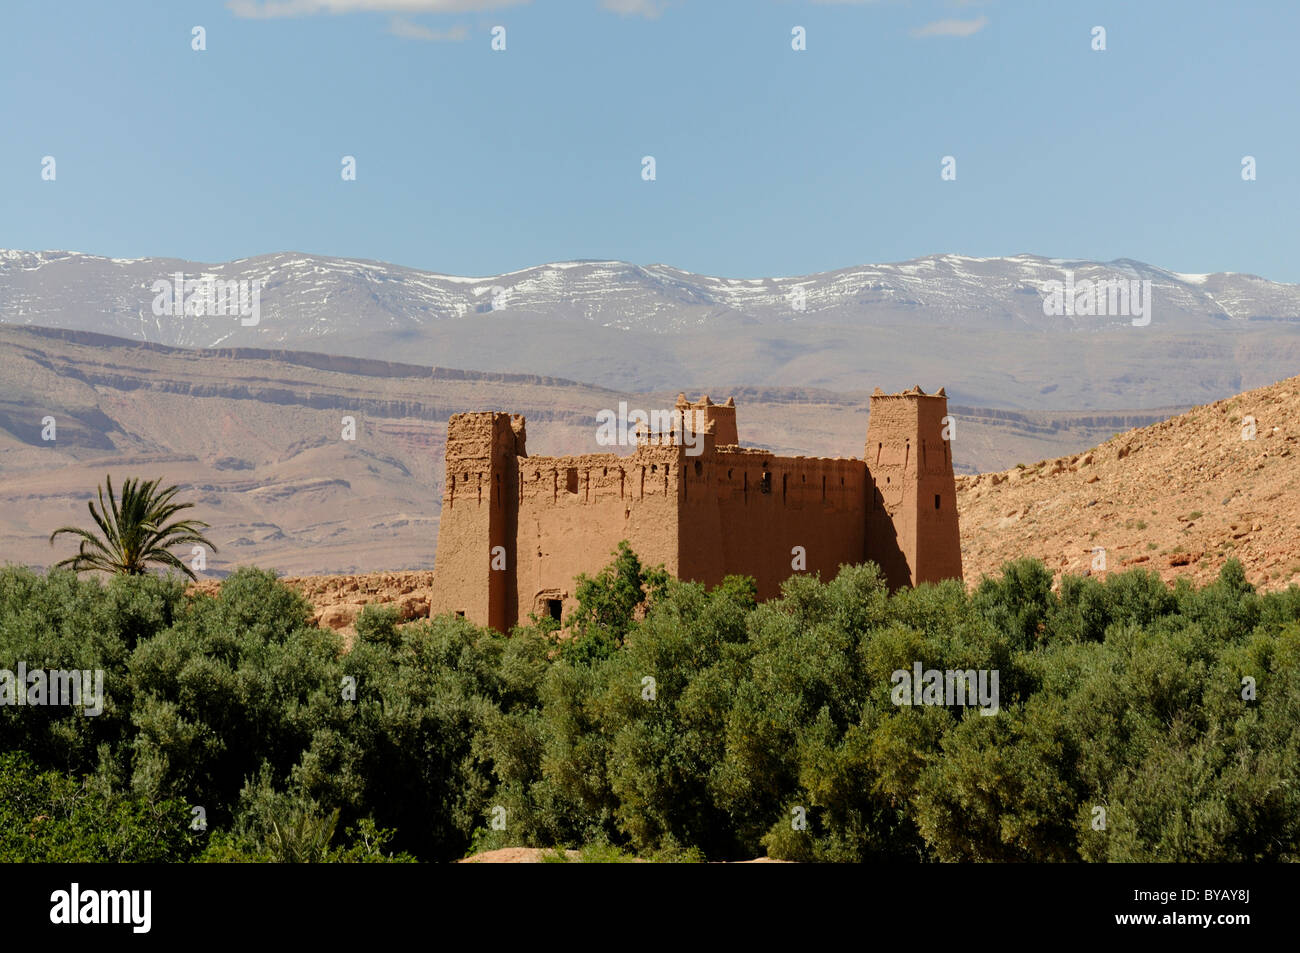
(1180, 497)
(254, 438)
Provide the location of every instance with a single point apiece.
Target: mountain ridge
(977, 324)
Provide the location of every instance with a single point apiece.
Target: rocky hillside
(1180, 497)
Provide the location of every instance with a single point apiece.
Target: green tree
(608, 604)
(134, 531)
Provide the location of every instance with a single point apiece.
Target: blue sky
(768, 161)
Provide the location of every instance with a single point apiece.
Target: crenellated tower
(912, 529)
(474, 572)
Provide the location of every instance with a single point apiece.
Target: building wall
(574, 511)
(938, 540)
(891, 525)
(730, 525)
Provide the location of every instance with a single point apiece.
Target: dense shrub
(48, 817)
(1134, 721)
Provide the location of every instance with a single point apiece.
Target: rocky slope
(1179, 497)
(338, 600)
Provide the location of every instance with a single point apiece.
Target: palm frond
(134, 530)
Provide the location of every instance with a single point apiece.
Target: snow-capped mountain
(306, 300)
(976, 324)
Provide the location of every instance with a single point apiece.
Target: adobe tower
(479, 516)
(912, 528)
(516, 530)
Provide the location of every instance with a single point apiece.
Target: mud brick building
(516, 530)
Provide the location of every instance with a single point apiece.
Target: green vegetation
(678, 723)
(608, 604)
(48, 817)
(134, 533)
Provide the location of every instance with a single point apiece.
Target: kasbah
(517, 530)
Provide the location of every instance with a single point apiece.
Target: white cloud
(270, 9)
(650, 9)
(953, 27)
(400, 26)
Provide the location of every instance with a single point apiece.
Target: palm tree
(134, 532)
